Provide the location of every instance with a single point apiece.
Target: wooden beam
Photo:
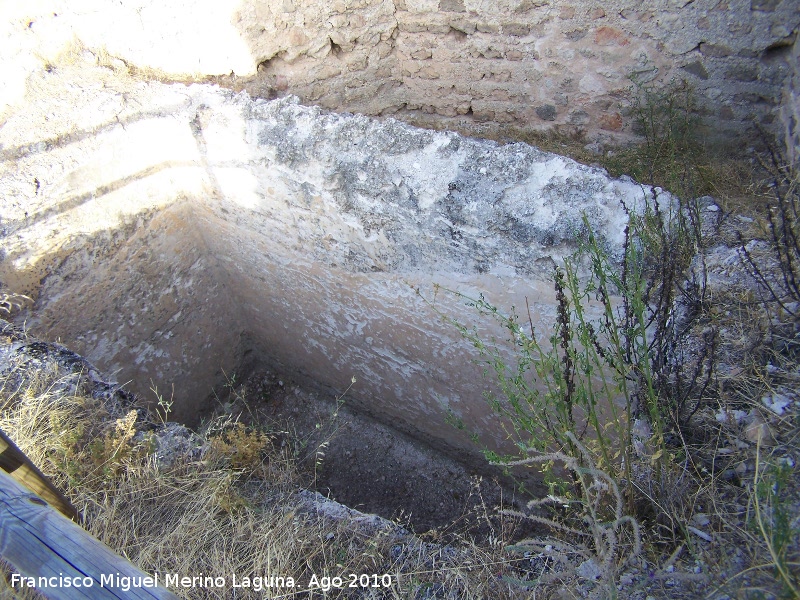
(38, 542)
(19, 466)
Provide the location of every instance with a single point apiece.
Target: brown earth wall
(487, 68)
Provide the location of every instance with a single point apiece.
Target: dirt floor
(369, 466)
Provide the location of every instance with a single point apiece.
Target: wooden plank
(20, 467)
(37, 541)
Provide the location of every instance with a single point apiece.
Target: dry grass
(229, 507)
(232, 507)
(723, 517)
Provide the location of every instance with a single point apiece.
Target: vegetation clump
(662, 407)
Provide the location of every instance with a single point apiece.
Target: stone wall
(480, 67)
(790, 113)
(471, 65)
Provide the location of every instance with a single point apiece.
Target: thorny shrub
(619, 392)
(606, 375)
(782, 217)
(613, 388)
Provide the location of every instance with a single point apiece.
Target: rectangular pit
(173, 234)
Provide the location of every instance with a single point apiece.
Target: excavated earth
(191, 239)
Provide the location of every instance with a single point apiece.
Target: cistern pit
(178, 235)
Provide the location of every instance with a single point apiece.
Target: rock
(757, 431)
(589, 569)
(21, 352)
(175, 442)
(546, 112)
(314, 503)
(594, 148)
(777, 402)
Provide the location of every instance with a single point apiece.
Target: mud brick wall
(480, 67)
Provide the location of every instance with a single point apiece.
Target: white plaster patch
(428, 172)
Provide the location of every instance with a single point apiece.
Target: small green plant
(164, 406)
(667, 117)
(772, 516)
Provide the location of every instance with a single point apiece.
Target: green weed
(774, 519)
(606, 363)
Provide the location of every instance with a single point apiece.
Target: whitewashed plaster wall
(167, 231)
